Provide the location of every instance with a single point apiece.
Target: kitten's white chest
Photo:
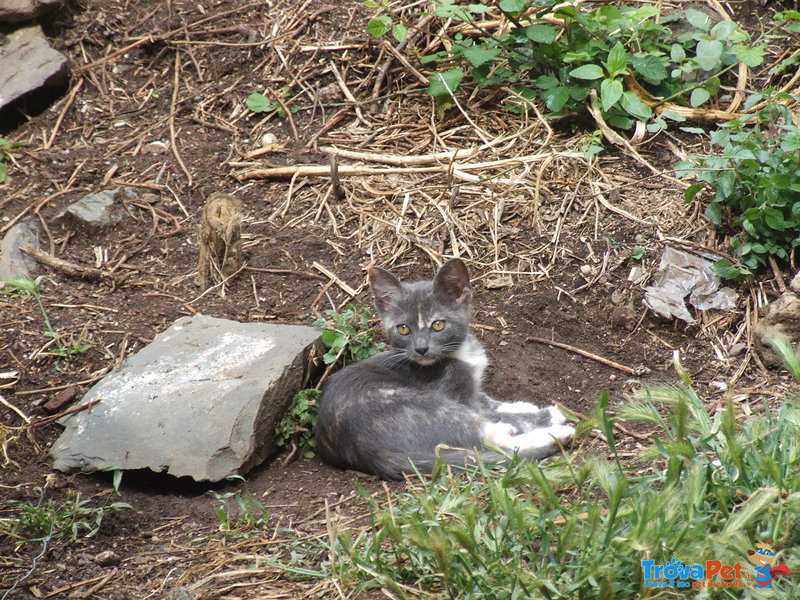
(472, 353)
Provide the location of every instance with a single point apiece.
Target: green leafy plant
(348, 334)
(382, 24)
(708, 488)
(248, 519)
(259, 103)
(64, 347)
(74, 517)
(297, 425)
(565, 54)
(755, 182)
(7, 153)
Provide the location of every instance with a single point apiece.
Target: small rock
(107, 558)
(201, 400)
(737, 349)
(97, 210)
(624, 316)
(27, 63)
(329, 93)
(17, 11)
(795, 284)
(13, 263)
(61, 398)
(181, 593)
(157, 147)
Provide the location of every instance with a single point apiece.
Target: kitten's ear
(385, 287)
(452, 282)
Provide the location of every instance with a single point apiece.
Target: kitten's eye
(437, 325)
(403, 329)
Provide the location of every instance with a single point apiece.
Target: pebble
(107, 558)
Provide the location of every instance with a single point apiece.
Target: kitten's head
(428, 320)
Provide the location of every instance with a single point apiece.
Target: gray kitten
(386, 413)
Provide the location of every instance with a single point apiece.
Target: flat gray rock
(15, 11)
(13, 263)
(27, 63)
(97, 210)
(201, 400)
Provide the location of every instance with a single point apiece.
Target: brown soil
(525, 249)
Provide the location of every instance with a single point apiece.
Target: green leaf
(617, 60)
(620, 121)
(442, 85)
(512, 6)
(774, 219)
(699, 96)
(726, 184)
(329, 337)
(727, 270)
(478, 56)
(698, 19)
(610, 92)
(708, 54)
(791, 141)
(260, 103)
(379, 26)
(677, 53)
(555, 98)
(400, 32)
(752, 100)
(547, 82)
(541, 34)
(674, 116)
(634, 106)
(723, 30)
(692, 191)
(650, 67)
(587, 72)
(751, 56)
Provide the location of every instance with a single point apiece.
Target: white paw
(557, 417)
(499, 434)
(543, 438)
(518, 408)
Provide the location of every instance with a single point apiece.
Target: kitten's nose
(421, 350)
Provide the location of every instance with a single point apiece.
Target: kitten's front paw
(556, 416)
(563, 433)
(499, 434)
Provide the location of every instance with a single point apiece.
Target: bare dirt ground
(156, 101)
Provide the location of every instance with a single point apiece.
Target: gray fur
(386, 413)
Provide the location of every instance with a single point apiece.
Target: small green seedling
(7, 153)
(245, 521)
(72, 518)
(259, 103)
(64, 347)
